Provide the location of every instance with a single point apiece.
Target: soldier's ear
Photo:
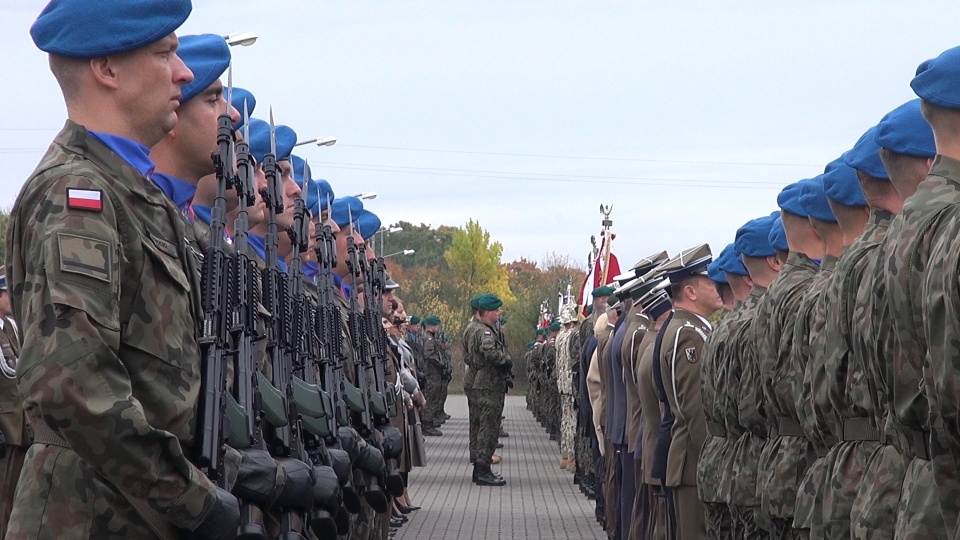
(104, 69)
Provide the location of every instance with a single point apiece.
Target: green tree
(474, 264)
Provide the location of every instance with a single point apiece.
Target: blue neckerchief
(177, 190)
(343, 288)
(129, 150)
(311, 270)
(203, 213)
(259, 245)
(816, 261)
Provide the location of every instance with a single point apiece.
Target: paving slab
(540, 501)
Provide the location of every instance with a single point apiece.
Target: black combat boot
(431, 431)
(484, 477)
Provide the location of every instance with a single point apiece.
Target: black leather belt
(859, 429)
(716, 429)
(788, 427)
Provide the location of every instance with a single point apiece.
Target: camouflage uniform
(469, 376)
(432, 354)
(489, 356)
(810, 467)
(550, 395)
(568, 424)
(746, 404)
(922, 510)
(13, 423)
(719, 522)
(779, 468)
(110, 308)
(845, 386)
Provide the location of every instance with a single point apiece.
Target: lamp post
(386, 230)
(368, 196)
(319, 141)
(244, 39)
(404, 252)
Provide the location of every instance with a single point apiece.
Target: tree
(474, 264)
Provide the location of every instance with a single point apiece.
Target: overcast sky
(687, 117)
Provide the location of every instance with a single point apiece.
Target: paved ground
(540, 501)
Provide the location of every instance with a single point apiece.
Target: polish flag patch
(85, 199)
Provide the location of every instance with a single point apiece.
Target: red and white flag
(85, 199)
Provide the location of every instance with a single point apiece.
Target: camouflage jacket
(12, 420)
(913, 231)
(488, 356)
(432, 353)
(110, 309)
(469, 371)
(564, 362)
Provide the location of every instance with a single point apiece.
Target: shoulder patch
(486, 332)
(85, 256)
(691, 353)
(85, 199)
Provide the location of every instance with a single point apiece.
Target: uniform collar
(129, 150)
(179, 191)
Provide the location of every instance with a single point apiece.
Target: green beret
(414, 320)
(475, 301)
(432, 320)
(489, 302)
(542, 332)
(554, 326)
(531, 344)
(604, 291)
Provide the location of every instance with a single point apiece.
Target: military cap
(753, 238)
(688, 263)
(938, 80)
(475, 301)
(554, 326)
(489, 302)
(260, 140)
(3, 278)
(814, 200)
(778, 236)
(616, 304)
(432, 320)
(639, 286)
(904, 130)
(602, 291)
(414, 319)
(367, 224)
(241, 96)
(655, 303)
(865, 156)
(789, 199)
(207, 56)
(344, 208)
(87, 29)
(542, 332)
(643, 266)
(715, 273)
(730, 261)
(841, 184)
(389, 284)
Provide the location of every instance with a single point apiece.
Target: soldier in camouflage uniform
(550, 393)
(489, 357)
(469, 376)
(796, 243)
(433, 357)
(759, 258)
(13, 424)
(568, 423)
(96, 258)
(907, 148)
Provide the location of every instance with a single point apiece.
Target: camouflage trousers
(473, 425)
(583, 454)
(875, 508)
(918, 513)
(444, 392)
(779, 482)
(782, 529)
(568, 426)
(945, 474)
(367, 525)
(10, 466)
(551, 408)
(745, 525)
(434, 396)
(846, 464)
(489, 408)
(719, 521)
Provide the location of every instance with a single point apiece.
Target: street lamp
(244, 39)
(386, 230)
(319, 141)
(369, 196)
(404, 252)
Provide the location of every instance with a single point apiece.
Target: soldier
(907, 151)
(492, 362)
(550, 396)
(13, 425)
(923, 386)
(798, 246)
(760, 259)
(676, 370)
(568, 424)
(469, 375)
(434, 370)
(113, 432)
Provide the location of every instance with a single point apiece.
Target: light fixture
(319, 141)
(244, 39)
(404, 252)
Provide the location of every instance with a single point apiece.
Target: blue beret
(730, 261)
(343, 208)
(367, 224)
(87, 28)
(938, 80)
(207, 56)
(904, 130)
(813, 199)
(260, 140)
(841, 184)
(778, 236)
(753, 238)
(3, 282)
(789, 199)
(241, 96)
(715, 273)
(865, 156)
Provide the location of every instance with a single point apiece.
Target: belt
(716, 429)
(859, 429)
(788, 427)
(919, 443)
(42, 434)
